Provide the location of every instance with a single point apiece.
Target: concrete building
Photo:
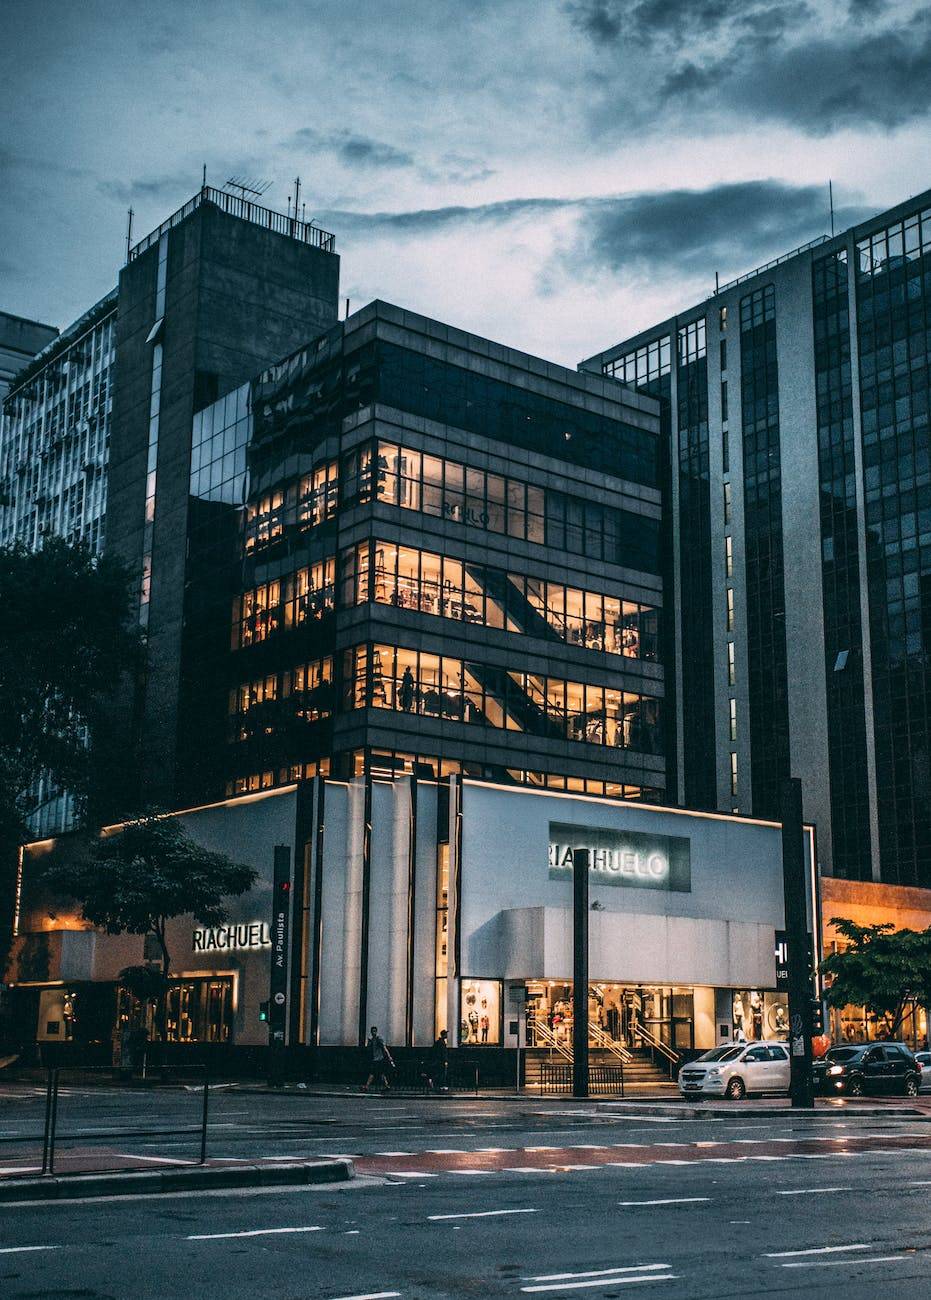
(20, 341)
(796, 407)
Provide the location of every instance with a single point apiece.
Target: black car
(868, 1067)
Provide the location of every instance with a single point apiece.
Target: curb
(153, 1182)
(714, 1112)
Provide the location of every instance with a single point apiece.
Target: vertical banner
(280, 954)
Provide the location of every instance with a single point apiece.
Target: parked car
(924, 1060)
(868, 1067)
(736, 1070)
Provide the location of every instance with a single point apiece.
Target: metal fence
(44, 1156)
(603, 1080)
(306, 232)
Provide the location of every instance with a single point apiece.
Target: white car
(924, 1060)
(736, 1069)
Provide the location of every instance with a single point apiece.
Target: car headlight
(835, 1069)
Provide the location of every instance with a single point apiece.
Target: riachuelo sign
(621, 857)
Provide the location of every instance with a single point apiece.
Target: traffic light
(263, 1011)
(817, 1016)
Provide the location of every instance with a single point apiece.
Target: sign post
(580, 864)
(280, 964)
(798, 960)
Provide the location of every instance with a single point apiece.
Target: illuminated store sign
(227, 938)
(629, 858)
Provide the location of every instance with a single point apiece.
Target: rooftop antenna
(203, 178)
(831, 201)
(297, 194)
(129, 232)
(247, 185)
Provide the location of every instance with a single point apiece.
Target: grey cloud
(163, 189)
(857, 79)
(352, 150)
(729, 227)
(434, 220)
(656, 22)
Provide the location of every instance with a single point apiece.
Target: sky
(551, 174)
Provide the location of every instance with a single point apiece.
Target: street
(484, 1198)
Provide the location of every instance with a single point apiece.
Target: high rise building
(413, 550)
(20, 341)
(797, 405)
(104, 413)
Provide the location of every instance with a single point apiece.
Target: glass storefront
(630, 1015)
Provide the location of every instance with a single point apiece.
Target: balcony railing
(236, 206)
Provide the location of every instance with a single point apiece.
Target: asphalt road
(479, 1198)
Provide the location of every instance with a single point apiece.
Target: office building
(796, 408)
(413, 550)
(20, 341)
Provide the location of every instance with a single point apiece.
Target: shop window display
(760, 1014)
(480, 1021)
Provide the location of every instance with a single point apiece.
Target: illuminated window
(730, 609)
(732, 720)
(733, 773)
(728, 557)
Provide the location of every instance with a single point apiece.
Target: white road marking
(393, 1153)
(252, 1232)
(814, 1250)
(612, 1281)
(17, 1250)
(670, 1200)
(479, 1214)
(410, 1173)
(839, 1263)
(369, 1295)
(528, 1169)
(813, 1191)
(472, 1173)
(598, 1272)
(20, 1169)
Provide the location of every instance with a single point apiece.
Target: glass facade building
(817, 538)
(54, 454)
(413, 550)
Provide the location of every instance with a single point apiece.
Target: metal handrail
(542, 1031)
(235, 206)
(656, 1044)
(776, 261)
(603, 1039)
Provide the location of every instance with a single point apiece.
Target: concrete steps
(639, 1072)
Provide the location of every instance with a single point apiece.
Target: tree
(66, 639)
(137, 879)
(881, 969)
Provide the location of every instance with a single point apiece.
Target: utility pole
(580, 972)
(800, 975)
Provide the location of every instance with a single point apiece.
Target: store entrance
(633, 1016)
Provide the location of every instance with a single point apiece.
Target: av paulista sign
(632, 859)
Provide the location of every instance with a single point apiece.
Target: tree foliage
(135, 880)
(66, 638)
(881, 969)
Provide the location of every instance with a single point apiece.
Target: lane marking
(614, 1280)
(369, 1295)
(814, 1250)
(670, 1200)
(18, 1250)
(252, 1232)
(410, 1173)
(599, 1272)
(813, 1191)
(839, 1263)
(479, 1214)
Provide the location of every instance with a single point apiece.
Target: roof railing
(237, 206)
(777, 261)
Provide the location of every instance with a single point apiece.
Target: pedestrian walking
(380, 1060)
(441, 1063)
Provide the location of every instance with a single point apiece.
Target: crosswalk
(479, 1162)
